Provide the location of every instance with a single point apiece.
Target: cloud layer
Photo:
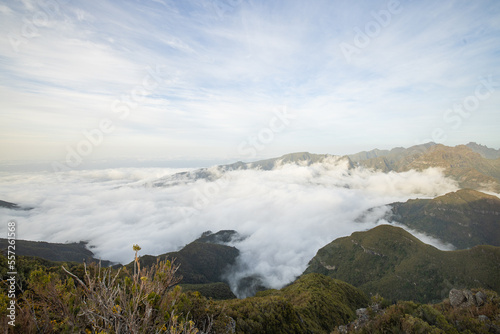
(287, 214)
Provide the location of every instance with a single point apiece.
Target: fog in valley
(284, 215)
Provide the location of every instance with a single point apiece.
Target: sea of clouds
(286, 214)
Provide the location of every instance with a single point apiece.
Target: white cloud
(287, 213)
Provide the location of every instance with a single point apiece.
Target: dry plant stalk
(132, 306)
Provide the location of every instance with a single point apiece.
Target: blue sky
(244, 79)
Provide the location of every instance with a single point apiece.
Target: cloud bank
(287, 213)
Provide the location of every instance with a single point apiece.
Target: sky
(229, 80)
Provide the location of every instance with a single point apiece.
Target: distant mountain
(72, 252)
(390, 261)
(486, 152)
(461, 163)
(464, 218)
(216, 172)
(391, 156)
(222, 237)
(8, 205)
(467, 167)
(471, 166)
(12, 206)
(203, 261)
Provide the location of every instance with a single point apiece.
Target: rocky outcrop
(466, 298)
(363, 317)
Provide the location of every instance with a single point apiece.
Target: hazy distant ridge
(466, 164)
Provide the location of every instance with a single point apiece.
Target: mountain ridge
(462, 163)
(391, 262)
(464, 218)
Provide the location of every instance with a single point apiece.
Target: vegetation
(411, 317)
(75, 298)
(56, 297)
(312, 304)
(465, 218)
(391, 262)
(215, 291)
(200, 262)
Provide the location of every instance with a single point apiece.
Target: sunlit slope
(469, 168)
(464, 218)
(312, 304)
(390, 261)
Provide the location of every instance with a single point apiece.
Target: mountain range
(471, 166)
(385, 260)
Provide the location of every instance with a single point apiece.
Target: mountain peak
(484, 151)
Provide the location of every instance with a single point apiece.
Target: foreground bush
(91, 299)
(411, 317)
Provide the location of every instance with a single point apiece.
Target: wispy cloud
(228, 63)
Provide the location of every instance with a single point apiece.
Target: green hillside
(441, 318)
(312, 304)
(390, 261)
(465, 218)
(199, 262)
(202, 263)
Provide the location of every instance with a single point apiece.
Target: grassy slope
(202, 264)
(199, 262)
(216, 291)
(465, 218)
(390, 261)
(312, 304)
(410, 317)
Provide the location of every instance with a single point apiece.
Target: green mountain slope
(390, 261)
(465, 218)
(200, 262)
(442, 318)
(312, 304)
